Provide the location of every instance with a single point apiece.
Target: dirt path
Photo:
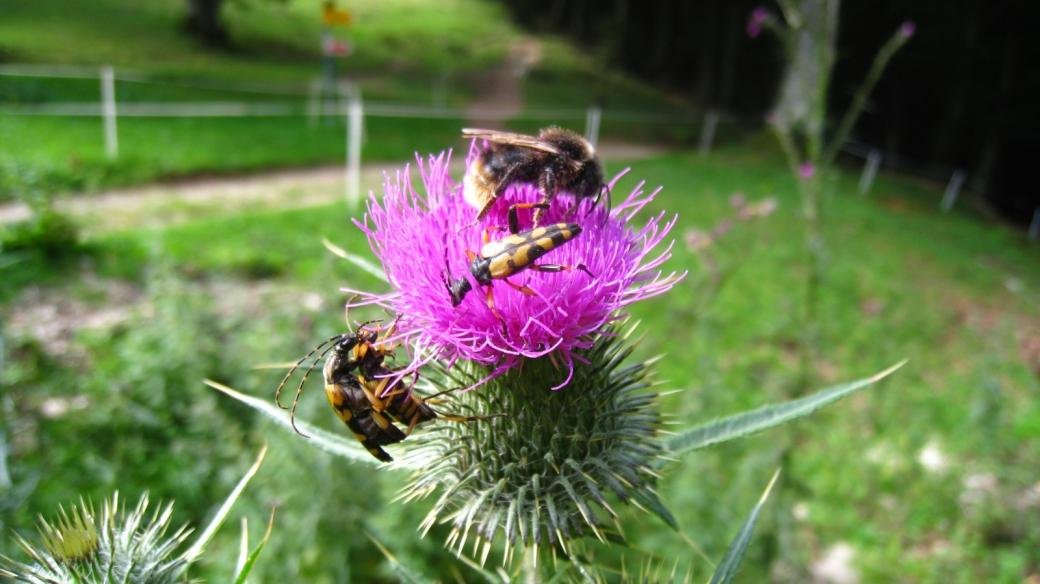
(164, 204)
(501, 89)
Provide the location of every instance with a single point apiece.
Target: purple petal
(415, 236)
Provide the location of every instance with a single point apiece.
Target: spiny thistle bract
(82, 547)
(541, 472)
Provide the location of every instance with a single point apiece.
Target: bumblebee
(556, 160)
(498, 260)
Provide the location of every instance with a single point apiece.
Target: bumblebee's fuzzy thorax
(555, 161)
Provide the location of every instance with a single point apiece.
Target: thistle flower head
(421, 236)
(542, 472)
(83, 547)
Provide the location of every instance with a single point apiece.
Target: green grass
(269, 39)
(901, 281)
(153, 148)
(403, 49)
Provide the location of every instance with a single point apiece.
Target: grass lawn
(926, 476)
(405, 50)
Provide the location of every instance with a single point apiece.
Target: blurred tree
(203, 21)
(963, 95)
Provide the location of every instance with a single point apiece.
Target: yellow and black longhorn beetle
(498, 260)
(358, 386)
(371, 428)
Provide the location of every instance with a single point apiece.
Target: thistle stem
(860, 100)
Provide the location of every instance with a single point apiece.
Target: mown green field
(213, 298)
(412, 53)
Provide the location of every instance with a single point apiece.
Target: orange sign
(330, 16)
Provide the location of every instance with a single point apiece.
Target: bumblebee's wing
(511, 139)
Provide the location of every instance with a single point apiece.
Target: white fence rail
(354, 111)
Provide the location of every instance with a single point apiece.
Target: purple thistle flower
(908, 28)
(758, 17)
(414, 235)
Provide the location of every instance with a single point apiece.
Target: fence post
(592, 117)
(952, 190)
(440, 90)
(314, 101)
(711, 119)
(1034, 227)
(355, 119)
(108, 111)
(869, 171)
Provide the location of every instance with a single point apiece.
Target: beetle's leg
(412, 424)
(464, 419)
(548, 186)
(491, 305)
(559, 268)
(514, 220)
(521, 288)
(373, 394)
(389, 332)
(485, 238)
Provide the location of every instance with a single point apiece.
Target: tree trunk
(203, 21)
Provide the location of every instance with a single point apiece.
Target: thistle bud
(541, 472)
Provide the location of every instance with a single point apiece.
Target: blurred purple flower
(697, 240)
(908, 28)
(758, 17)
(414, 235)
(807, 170)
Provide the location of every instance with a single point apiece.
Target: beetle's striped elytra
(514, 253)
(369, 427)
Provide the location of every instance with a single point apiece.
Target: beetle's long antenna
(278, 394)
(299, 390)
(346, 312)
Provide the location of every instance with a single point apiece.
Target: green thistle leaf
(727, 568)
(327, 441)
(747, 423)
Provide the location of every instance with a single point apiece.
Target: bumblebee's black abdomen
(521, 164)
